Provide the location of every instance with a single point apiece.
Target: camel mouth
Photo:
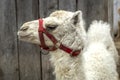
(22, 35)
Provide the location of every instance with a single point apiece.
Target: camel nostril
(24, 28)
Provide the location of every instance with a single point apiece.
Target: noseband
(57, 45)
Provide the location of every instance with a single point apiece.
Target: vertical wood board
(116, 16)
(46, 7)
(8, 41)
(82, 5)
(69, 5)
(97, 10)
(29, 56)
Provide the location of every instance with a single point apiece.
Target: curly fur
(101, 57)
(70, 32)
(97, 60)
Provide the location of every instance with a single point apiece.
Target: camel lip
(22, 34)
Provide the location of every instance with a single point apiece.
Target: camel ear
(76, 17)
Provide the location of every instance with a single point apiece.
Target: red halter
(57, 45)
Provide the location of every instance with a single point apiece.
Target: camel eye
(24, 28)
(51, 27)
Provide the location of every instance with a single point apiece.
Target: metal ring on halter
(71, 53)
(44, 52)
(57, 45)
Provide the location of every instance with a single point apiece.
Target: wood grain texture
(23, 61)
(97, 10)
(29, 56)
(116, 15)
(45, 8)
(8, 41)
(69, 5)
(110, 12)
(110, 16)
(116, 23)
(82, 5)
(117, 37)
(118, 67)
(117, 43)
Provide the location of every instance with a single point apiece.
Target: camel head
(63, 25)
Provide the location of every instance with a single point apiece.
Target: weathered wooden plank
(116, 29)
(8, 41)
(117, 37)
(29, 56)
(116, 15)
(117, 43)
(69, 5)
(116, 24)
(110, 16)
(46, 7)
(118, 66)
(97, 10)
(82, 5)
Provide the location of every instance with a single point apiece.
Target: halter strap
(56, 45)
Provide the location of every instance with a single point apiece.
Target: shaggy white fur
(100, 57)
(69, 30)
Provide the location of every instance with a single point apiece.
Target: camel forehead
(61, 14)
(52, 21)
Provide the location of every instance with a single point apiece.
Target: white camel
(68, 29)
(98, 57)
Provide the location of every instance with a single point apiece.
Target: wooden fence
(23, 61)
